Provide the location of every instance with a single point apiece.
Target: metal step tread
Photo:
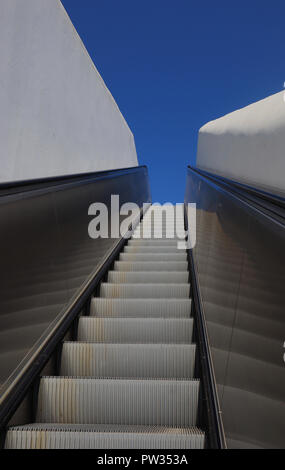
(146, 277)
(155, 308)
(68, 436)
(144, 265)
(80, 359)
(153, 242)
(116, 401)
(141, 291)
(135, 330)
(181, 256)
(152, 249)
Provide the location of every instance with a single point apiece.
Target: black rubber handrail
(272, 204)
(278, 199)
(15, 187)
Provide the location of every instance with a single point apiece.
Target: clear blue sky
(173, 65)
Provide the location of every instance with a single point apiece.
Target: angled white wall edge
(247, 145)
(57, 115)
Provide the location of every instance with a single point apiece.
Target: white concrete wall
(56, 115)
(247, 145)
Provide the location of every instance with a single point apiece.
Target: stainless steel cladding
(46, 253)
(240, 261)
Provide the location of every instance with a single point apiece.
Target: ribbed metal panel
(156, 218)
(158, 224)
(108, 401)
(162, 308)
(128, 360)
(135, 330)
(44, 436)
(151, 266)
(159, 233)
(145, 291)
(157, 228)
(152, 242)
(181, 256)
(172, 230)
(157, 237)
(159, 277)
(152, 249)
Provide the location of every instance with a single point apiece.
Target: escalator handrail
(22, 186)
(271, 204)
(18, 384)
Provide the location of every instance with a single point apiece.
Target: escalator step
(152, 249)
(159, 277)
(68, 436)
(158, 236)
(161, 308)
(153, 242)
(141, 291)
(115, 401)
(135, 330)
(131, 257)
(128, 360)
(151, 266)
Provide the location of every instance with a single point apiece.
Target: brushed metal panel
(240, 259)
(46, 253)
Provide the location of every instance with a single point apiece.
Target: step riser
(123, 330)
(127, 361)
(158, 227)
(173, 232)
(153, 257)
(157, 238)
(88, 440)
(161, 308)
(145, 291)
(117, 277)
(168, 234)
(152, 249)
(153, 242)
(150, 266)
(88, 401)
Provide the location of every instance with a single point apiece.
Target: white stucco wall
(247, 145)
(56, 115)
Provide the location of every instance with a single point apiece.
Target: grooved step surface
(156, 277)
(107, 401)
(151, 266)
(159, 236)
(56, 436)
(152, 249)
(161, 308)
(152, 242)
(135, 330)
(181, 256)
(141, 291)
(128, 361)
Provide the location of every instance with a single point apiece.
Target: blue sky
(173, 65)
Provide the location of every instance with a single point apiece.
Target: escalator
(118, 343)
(130, 378)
